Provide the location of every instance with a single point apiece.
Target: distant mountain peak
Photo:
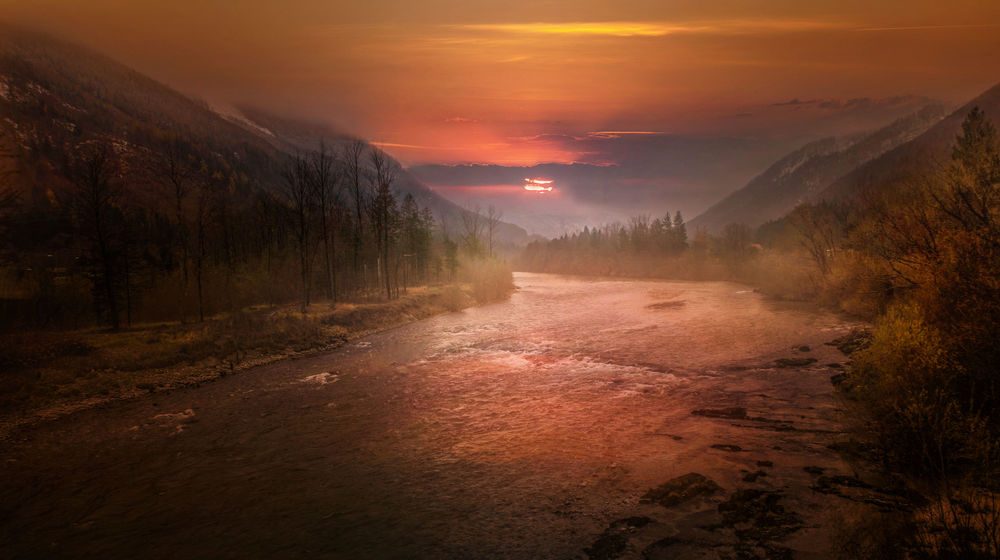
(805, 173)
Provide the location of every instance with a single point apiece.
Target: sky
(519, 83)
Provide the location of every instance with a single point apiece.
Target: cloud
(614, 29)
(660, 28)
(796, 101)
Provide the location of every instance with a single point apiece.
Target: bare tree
(383, 212)
(354, 170)
(179, 172)
(325, 174)
(820, 231)
(97, 198)
(493, 217)
(473, 224)
(298, 194)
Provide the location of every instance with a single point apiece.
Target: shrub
(454, 299)
(907, 378)
(491, 280)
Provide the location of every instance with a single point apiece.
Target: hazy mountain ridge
(804, 174)
(55, 96)
(921, 154)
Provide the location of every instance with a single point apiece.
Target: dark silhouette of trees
(325, 173)
(298, 194)
(97, 209)
(383, 216)
(208, 237)
(353, 156)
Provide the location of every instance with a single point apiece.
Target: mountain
(915, 157)
(55, 96)
(293, 135)
(805, 173)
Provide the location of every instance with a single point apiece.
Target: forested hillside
(125, 201)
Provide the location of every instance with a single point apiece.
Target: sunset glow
(538, 185)
(448, 82)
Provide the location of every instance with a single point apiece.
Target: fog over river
(522, 429)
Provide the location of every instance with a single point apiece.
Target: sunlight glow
(538, 185)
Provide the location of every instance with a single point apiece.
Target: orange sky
(455, 81)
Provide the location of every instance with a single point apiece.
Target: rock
(681, 489)
(816, 471)
(803, 348)
(857, 339)
(832, 484)
(757, 516)
(613, 541)
(765, 464)
(733, 413)
(793, 362)
(752, 477)
(838, 379)
(726, 447)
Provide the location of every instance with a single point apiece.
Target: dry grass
(41, 370)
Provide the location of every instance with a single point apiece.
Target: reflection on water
(515, 430)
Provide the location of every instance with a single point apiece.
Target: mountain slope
(810, 170)
(291, 135)
(55, 96)
(908, 160)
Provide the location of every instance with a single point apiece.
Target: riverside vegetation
(920, 259)
(108, 289)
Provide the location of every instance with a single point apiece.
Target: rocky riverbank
(781, 475)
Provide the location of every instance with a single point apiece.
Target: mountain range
(55, 96)
(840, 169)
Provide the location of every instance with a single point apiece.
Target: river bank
(46, 375)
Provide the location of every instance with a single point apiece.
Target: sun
(538, 185)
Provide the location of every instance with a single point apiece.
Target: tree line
(124, 234)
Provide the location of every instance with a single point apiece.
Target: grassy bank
(48, 373)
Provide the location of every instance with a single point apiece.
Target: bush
(454, 299)
(908, 379)
(491, 280)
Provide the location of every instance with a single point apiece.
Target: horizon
(469, 96)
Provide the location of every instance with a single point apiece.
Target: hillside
(293, 135)
(55, 96)
(914, 157)
(810, 170)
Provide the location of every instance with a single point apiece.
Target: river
(516, 430)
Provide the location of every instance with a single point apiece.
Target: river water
(514, 430)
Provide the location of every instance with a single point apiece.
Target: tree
(298, 193)
(472, 231)
(976, 149)
(679, 231)
(98, 214)
(325, 174)
(735, 243)
(821, 229)
(353, 159)
(384, 215)
(178, 168)
(493, 217)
